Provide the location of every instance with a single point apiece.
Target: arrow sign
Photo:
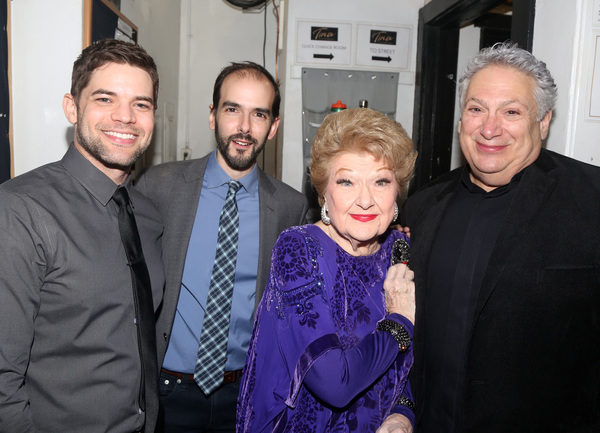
(382, 59)
(323, 56)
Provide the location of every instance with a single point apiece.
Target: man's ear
(70, 108)
(274, 127)
(545, 124)
(211, 117)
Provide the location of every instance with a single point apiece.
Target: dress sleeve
(22, 270)
(405, 405)
(286, 322)
(293, 327)
(405, 408)
(297, 300)
(340, 375)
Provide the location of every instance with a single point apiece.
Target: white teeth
(119, 135)
(241, 144)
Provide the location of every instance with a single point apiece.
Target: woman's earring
(395, 212)
(326, 220)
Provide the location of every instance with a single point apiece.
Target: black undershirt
(459, 257)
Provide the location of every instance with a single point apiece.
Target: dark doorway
(4, 95)
(437, 53)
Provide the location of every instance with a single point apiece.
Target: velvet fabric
(316, 362)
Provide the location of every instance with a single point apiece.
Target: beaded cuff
(405, 401)
(398, 331)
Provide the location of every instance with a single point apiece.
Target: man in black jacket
(506, 253)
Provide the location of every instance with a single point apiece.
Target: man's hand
(395, 423)
(402, 229)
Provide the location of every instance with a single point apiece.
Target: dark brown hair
(247, 69)
(111, 51)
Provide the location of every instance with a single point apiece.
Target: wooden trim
(87, 23)
(88, 6)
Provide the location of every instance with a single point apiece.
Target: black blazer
(175, 188)
(533, 359)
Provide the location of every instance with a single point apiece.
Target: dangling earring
(395, 212)
(326, 220)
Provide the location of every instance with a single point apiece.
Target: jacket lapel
(426, 223)
(533, 191)
(429, 221)
(183, 203)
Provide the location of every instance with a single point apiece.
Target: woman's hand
(400, 291)
(395, 423)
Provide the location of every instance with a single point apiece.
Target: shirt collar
(473, 188)
(99, 185)
(215, 176)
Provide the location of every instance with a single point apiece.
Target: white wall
(214, 34)
(192, 40)
(158, 23)
(383, 12)
(468, 47)
(568, 53)
(564, 37)
(46, 38)
(45, 41)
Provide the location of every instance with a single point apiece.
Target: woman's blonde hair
(362, 131)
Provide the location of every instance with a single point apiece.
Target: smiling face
(114, 118)
(242, 122)
(499, 132)
(360, 197)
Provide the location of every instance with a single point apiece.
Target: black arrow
(383, 59)
(323, 56)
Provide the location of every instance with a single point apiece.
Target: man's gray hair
(510, 55)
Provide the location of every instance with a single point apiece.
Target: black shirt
(459, 258)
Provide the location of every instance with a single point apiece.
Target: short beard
(238, 162)
(94, 146)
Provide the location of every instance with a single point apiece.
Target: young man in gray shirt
(70, 351)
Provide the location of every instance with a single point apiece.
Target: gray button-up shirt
(69, 358)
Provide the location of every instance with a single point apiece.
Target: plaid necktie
(210, 365)
(142, 301)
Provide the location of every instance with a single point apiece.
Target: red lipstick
(363, 218)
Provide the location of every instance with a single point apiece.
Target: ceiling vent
(247, 4)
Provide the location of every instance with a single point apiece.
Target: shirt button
(166, 381)
(178, 380)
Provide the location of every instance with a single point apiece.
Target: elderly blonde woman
(331, 347)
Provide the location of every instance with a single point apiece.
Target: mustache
(245, 137)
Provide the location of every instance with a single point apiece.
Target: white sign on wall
(594, 95)
(382, 46)
(323, 43)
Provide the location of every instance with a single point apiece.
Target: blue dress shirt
(187, 327)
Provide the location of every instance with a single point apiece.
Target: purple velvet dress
(316, 362)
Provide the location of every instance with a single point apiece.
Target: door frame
(436, 76)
